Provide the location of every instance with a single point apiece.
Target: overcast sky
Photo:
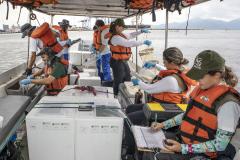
(227, 10)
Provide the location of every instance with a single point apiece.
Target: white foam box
(101, 92)
(76, 57)
(89, 81)
(73, 77)
(92, 72)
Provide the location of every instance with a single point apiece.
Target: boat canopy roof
(93, 8)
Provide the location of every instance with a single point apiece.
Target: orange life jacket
(120, 52)
(98, 38)
(57, 85)
(63, 34)
(33, 3)
(108, 35)
(200, 119)
(141, 4)
(95, 34)
(169, 97)
(191, 2)
(44, 33)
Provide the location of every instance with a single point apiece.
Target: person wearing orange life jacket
(41, 37)
(170, 85)
(103, 51)
(55, 73)
(120, 47)
(208, 127)
(62, 31)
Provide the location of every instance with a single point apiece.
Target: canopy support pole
(136, 46)
(52, 18)
(28, 49)
(166, 30)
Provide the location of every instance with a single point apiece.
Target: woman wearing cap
(170, 85)
(120, 46)
(211, 119)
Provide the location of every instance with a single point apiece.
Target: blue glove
(149, 65)
(69, 42)
(147, 42)
(30, 77)
(145, 30)
(99, 56)
(25, 82)
(93, 50)
(135, 81)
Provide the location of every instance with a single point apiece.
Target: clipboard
(146, 139)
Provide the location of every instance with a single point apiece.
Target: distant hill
(203, 24)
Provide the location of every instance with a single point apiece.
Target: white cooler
(92, 72)
(89, 81)
(74, 77)
(58, 130)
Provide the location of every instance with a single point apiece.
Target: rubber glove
(135, 81)
(99, 56)
(93, 50)
(30, 77)
(69, 42)
(145, 30)
(147, 42)
(25, 82)
(149, 65)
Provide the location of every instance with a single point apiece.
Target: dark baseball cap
(120, 22)
(64, 23)
(26, 28)
(205, 62)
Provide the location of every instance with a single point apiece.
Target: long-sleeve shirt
(166, 84)
(120, 41)
(227, 118)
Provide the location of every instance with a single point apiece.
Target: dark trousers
(135, 114)
(121, 73)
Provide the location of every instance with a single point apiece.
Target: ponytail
(174, 55)
(230, 78)
(112, 28)
(184, 61)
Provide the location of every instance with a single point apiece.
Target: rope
(189, 12)
(19, 15)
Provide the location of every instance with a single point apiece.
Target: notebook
(146, 139)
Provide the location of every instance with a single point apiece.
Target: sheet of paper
(146, 138)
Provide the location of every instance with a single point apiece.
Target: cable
(189, 12)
